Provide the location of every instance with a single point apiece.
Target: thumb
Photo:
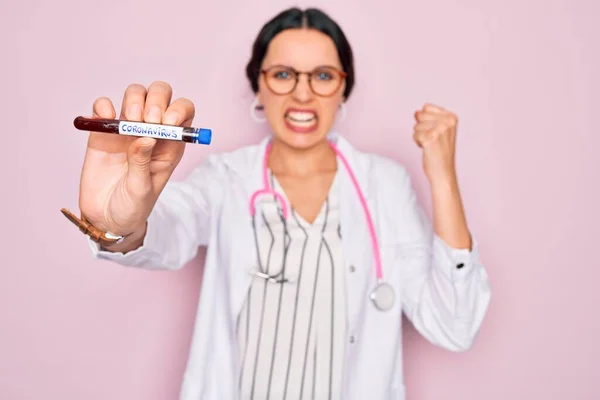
(139, 156)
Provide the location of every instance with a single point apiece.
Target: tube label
(150, 130)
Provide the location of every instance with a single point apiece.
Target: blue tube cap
(204, 136)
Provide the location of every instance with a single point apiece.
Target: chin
(302, 141)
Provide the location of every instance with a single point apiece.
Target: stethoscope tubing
(267, 190)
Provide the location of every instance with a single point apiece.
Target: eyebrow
(295, 69)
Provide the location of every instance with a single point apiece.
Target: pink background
(521, 75)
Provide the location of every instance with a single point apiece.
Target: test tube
(144, 129)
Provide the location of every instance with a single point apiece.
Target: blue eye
(282, 75)
(324, 76)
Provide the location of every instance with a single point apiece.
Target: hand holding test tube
(124, 174)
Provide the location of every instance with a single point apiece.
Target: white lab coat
(210, 208)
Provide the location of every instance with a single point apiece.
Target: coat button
(352, 268)
(459, 266)
(352, 339)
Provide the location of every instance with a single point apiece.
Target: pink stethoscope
(382, 295)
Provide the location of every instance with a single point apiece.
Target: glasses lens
(281, 79)
(325, 81)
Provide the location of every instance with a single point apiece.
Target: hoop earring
(253, 107)
(343, 112)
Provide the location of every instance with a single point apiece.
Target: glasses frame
(342, 75)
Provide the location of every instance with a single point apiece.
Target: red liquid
(189, 135)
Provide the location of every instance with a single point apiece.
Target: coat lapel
(356, 241)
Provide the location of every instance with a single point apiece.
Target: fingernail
(153, 115)
(134, 112)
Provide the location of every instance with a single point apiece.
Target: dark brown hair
(294, 18)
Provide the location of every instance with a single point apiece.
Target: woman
(303, 290)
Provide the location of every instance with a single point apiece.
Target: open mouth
(301, 120)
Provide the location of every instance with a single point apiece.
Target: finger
(139, 155)
(424, 137)
(440, 129)
(427, 116)
(440, 132)
(103, 108)
(425, 126)
(421, 137)
(448, 120)
(451, 120)
(432, 108)
(133, 102)
(180, 113)
(157, 101)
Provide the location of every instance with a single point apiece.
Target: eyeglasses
(323, 81)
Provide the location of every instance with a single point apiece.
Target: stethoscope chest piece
(383, 296)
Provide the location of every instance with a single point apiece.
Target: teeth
(301, 116)
(303, 124)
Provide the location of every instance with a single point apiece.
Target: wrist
(443, 182)
(130, 242)
(108, 240)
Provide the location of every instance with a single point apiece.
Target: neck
(286, 160)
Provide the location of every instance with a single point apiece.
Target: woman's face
(300, 117)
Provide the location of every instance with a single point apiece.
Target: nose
(302, 92)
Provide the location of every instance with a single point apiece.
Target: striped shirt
(292, 334)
